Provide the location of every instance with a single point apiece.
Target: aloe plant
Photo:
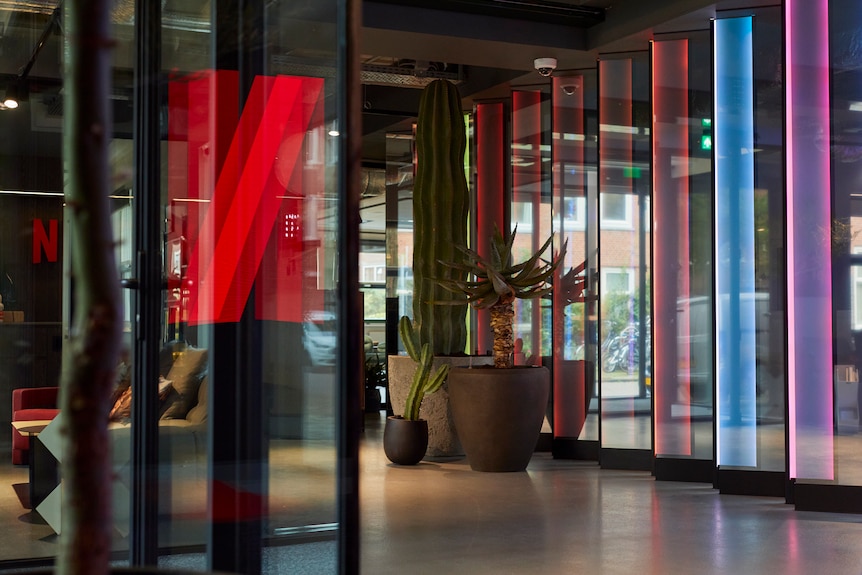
(498, 282)
(424, 382)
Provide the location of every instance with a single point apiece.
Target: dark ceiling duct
(529, 10)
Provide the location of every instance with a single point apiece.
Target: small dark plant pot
(405, 441)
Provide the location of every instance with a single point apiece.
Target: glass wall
(822, 45)
(749, 238)
(846, 242)
(247, 227)
(682, 247)
(573, 148)
(624, 282)
(531, 216)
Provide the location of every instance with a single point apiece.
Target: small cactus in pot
(423, 381)
(405, 438)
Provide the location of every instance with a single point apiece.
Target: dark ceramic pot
(405, 441)
(498, 414)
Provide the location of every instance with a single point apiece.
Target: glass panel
(624, 182)
(846, 243)
(302, 420)
(251, 207)
(35, 262)
(682, 286)
(531, 214)
(573, 365)
(492, 158)
(399, 226)
(750, 275)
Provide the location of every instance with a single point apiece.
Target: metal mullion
(148, 301)
(350, 352)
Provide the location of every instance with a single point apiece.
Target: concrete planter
(443, 439)
(499, 414)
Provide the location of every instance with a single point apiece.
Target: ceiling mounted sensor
(545, 66)
(570, 86)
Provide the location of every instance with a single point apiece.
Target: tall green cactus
(441, 204)
(423, 382)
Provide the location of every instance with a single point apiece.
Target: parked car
(319, 336)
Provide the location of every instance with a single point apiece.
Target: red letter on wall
(47, 240)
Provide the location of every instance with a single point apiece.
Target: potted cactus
(499, 410)
(441, 204)
(405, 438)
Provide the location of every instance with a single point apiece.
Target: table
(44, 476)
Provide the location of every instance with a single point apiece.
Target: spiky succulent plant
(495, 282)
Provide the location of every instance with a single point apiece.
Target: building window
(616, 211)
(574, 213)
(617, 280)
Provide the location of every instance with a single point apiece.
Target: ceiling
(487, 46)
(494, 46)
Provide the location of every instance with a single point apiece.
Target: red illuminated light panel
(671, 325)
(490, 192)
(567, 152)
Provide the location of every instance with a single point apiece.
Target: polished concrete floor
(558, 517)
(563, 517)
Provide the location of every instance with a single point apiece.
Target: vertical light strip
(490, 194)
(567, 150)
(569, 187)
(527, 189)
(736, 413)
(671, 257)
(616, 144)
(809, 270)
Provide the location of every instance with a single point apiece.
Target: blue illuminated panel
(734, 243)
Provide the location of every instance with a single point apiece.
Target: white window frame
(630, 272)
(579, 223)
(615, 224)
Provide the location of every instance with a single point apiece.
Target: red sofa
(29, 404)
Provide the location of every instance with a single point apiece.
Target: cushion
(186, 375)
(122, 410)
(198, 414)
(168, 353)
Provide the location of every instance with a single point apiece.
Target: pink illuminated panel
(671, 258)
(809, 274)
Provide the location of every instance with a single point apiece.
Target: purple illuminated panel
(809, 273)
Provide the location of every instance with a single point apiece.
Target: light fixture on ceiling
(10, 98)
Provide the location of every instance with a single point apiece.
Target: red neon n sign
(46, 241)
